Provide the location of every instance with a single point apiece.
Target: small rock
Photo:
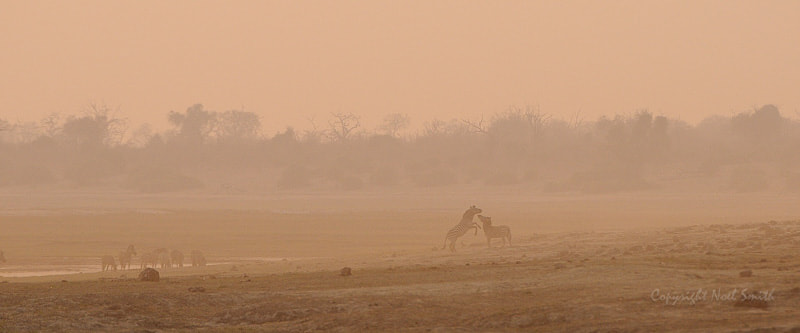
(197, 289)
(747, 273)
(346, 271)
(149, 274)
(63, 280)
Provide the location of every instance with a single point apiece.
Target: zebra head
(474, 210)
(486, 220)
(469, 213)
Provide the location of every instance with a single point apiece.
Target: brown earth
(600, 279)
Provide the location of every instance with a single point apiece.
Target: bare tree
(25, 131)
(394, 123)
(342, 126)
(576, 121)
(140, 136)
(314, 134)
(477, 127)
(114, 127)
(51, 124)
(434, 127)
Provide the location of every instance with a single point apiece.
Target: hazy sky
(290, 60)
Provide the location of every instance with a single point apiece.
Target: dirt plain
(591, 264)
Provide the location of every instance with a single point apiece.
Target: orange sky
(290, 60)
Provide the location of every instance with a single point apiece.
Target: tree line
(521, 147)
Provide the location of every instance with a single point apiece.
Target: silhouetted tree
(237, 126)
(342, 125)
(194, 126)
(394, 123)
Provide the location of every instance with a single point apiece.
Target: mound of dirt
(149, 274)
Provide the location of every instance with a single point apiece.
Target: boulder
(149, 274)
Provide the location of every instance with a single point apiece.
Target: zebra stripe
(501, 231)
(462, 227)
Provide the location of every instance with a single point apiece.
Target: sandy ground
(692, 277)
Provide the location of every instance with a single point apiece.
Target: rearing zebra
(462, 227)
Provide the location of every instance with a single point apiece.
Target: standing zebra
(177, 258)
(126, 257)
(198, 259)
(107, 263)
(165, 260)
(501, 231)
(149, 258)
(462, 227)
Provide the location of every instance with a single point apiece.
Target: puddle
(13, 271)
(46, 270)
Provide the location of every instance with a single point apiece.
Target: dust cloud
(219, 208)
(404, 217)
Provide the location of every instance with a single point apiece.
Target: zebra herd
(158, 258)
(501, 231)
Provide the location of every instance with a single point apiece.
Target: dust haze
(449, 197)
